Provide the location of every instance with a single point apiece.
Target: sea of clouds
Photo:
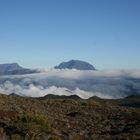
(104, 84)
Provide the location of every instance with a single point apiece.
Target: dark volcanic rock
(75, 64)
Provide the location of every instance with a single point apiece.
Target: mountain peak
(14, 68)
(9, 67)
(75, 64)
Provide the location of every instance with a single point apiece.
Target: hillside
(66, 119)
(130, 101)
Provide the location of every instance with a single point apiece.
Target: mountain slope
(75, 64)
(14, 68)
(10, 67)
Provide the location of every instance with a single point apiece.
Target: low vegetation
(66, 119)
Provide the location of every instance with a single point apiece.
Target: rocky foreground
(67, 119)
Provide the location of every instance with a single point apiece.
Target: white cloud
(105, 84)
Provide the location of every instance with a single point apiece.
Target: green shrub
(16, 137)
(55, 138)
(29, 127)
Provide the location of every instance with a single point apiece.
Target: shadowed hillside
(130, 101)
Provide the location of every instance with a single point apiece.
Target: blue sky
(43, 33)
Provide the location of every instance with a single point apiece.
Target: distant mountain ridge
(75, 64)
(16, 69)
(129, 101)
(9, 67)
(52, 96)
(13, 69)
